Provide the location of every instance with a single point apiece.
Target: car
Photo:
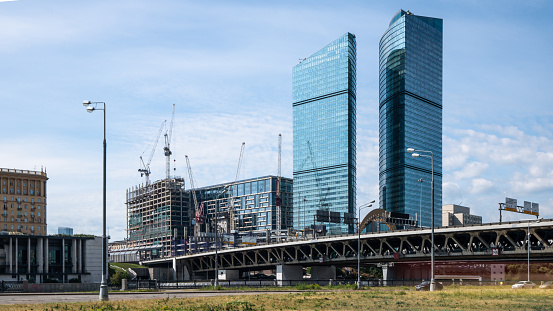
(426, 286)
(547, 285)
(524, 284)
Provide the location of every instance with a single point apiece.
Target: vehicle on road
(524, 284)
(547, 285)
(426, 286)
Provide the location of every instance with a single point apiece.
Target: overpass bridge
(395, 251)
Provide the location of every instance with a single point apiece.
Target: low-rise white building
(457, 215)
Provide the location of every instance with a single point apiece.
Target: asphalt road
(24, 298)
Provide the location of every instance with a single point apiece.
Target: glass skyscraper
(411, 115)
(324, 92)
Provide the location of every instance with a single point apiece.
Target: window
(18, 191)
(32, 228)
(12, 227)
(5, 227)
(12, 212)
(12, 220)
(38, 228)
(38, 214)
(31, 192)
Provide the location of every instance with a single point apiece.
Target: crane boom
(145, 171)
(192, 189)
(322, 199)
(278, 200)
(231, 201)
(167, 148)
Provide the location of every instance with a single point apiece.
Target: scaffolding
(157, 214)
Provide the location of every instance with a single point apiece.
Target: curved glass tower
(410, 115)
(324, 135)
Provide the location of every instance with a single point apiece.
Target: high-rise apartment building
(324, 112)
(23, 201)
(411, 115)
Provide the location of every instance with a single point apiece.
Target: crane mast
(278, 200)
(192, 189)
(167, 148)
(145, 171)
(231, 201)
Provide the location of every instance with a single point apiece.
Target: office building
(23, 201)
(157, 213)
(410, 115)
(65, 231)
(457, 215)
(324, 99)
(254, 205)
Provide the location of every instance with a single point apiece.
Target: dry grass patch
(452, 298)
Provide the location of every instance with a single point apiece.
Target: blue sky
(227, 65)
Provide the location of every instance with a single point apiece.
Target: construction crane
(145, 171)
(322, 199)
(231, 201)
(192, 189)
(278, 200)
(167, 148)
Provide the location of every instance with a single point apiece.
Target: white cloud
(471, 170)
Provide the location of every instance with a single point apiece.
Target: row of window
(20, 227)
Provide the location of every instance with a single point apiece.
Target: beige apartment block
(23, 198)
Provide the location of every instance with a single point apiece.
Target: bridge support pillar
(323, 273)
(388, 273)
(228, 275)
(288, 275)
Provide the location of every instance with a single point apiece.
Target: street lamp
(90, 107)
(216, 230)
(420, 215)
(359, 241)
(431, 156)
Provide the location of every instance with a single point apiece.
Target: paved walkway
(24, 298)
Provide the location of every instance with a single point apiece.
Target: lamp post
(528, 250)
(431, 156)
(216, 240)
(90, 107)
(359, 241)
(420, 215)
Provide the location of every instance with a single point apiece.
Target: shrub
(118, 276)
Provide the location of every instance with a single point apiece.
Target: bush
(74, 280)
(118, 276)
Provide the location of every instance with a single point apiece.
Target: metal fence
(11, 287)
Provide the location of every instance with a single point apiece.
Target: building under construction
(156, 214)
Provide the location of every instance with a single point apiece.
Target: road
(24, 298)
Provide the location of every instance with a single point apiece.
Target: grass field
(451, 298)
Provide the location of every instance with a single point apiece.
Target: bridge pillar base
(228, 275)
(323, 273)
(388, 273)
(288, 275)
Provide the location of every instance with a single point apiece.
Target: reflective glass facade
(411, 115)
(253, 201)
(324, 133)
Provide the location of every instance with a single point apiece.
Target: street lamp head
(86, 103)
(371, 202)
(90, 109)
(415, 155)
(410, 150)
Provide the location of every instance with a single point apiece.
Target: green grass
(125, 265)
